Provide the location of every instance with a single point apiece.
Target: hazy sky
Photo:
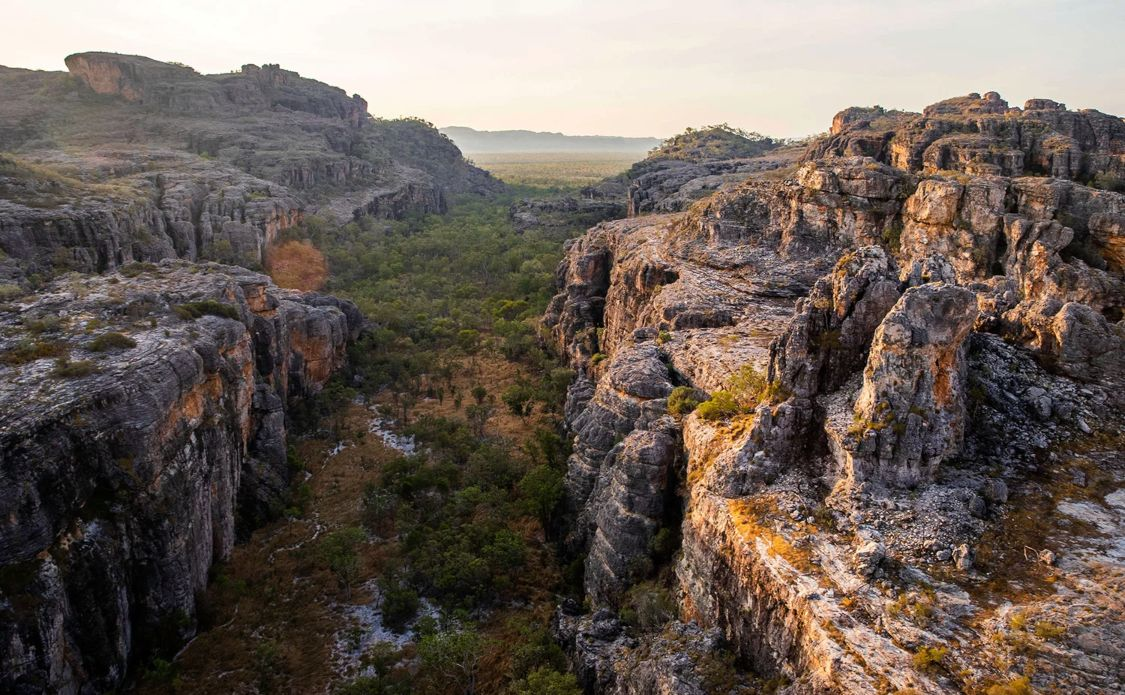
(617, 67)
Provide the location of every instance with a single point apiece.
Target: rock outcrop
(127, 158)
(910, 414)
(932, 306)
(981, 136)
(142, 429)
(178, 89)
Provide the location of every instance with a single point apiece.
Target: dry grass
(554, 169)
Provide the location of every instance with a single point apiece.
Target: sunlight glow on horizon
(616, 67)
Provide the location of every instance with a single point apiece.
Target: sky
(616, 67)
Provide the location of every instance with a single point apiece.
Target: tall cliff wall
(129, 465)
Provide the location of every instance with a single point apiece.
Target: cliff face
(131, 462)
(935, 349)
(179, 89)
(127, 158)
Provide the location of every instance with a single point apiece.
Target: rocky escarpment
(892, 502)
(127, 158)
(180, 89)
(143, 428)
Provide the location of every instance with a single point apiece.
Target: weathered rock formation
(983, 136)
(141, 429)
(964, 340)
(127, 158)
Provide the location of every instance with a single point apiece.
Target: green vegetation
(194, 310)
(460, 523)
(65, 369)
(685, 399)
(720, 406)
(1020, 685)
(110, 341)
(648, 606)
(721, 141)
(892, 235)
(31, 350)
(746, 389)
(929, 658)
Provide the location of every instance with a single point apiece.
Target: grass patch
(30, 351)
(194, 310)
(65, 369)
(554, 169)
(110, 341)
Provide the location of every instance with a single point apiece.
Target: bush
(721, 406)
(28, 351)
(194, 310)
(1020, 685)
(65, 369)
(927, 658)
(648, 606)
(685, 399)
(598, 358)
(542, 489)
(109, 341)
(132, 270)
(400, 603)
(547, 681)
(892, 235)
(748, 386)
(338, 550)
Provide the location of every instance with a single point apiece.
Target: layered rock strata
(142, 429)
(928, 402)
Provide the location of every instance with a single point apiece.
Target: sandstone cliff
(941, 354)
(127, 158)
(143, 428)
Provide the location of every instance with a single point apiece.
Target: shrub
(1108, 182)
(547, 681)
(194, 310)
(400, 603)
(29, 351)
(648, 606)
(927, 658)
(722, 405)
(65, 369)
(892, 235)
(338, 550)
(109, 341)
(9, 292)
(747, 385)
(664, 337)
(43, 325)
(1020, 685)
(1045, 629)
(685, 399)
(132, 270)
(597, 358)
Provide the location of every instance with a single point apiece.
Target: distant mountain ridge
(472, 140)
